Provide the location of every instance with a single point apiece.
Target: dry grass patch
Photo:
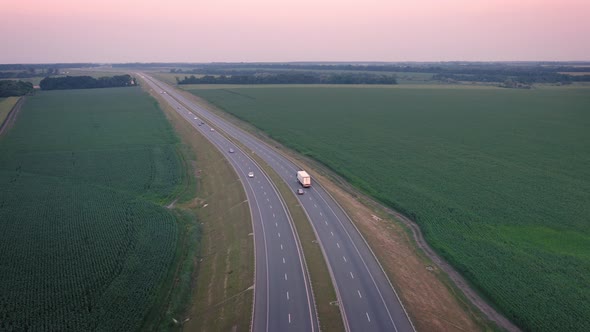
(6, 105)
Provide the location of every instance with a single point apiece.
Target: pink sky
(35, 31)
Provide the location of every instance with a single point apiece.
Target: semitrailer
(304, 178)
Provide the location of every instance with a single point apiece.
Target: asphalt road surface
(283, 300)
(366, 297)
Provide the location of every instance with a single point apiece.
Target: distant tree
(292, 78)
(85, 82)
(9, 88)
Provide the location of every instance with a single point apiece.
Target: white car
(251, 174)
(231, 150)
(212, 129)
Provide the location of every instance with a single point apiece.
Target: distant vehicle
(199, 124)
(202, 122)
(195, 118)
(212, 129)
(300, 191)
(231, 150)
(251, 174)
(304, 179)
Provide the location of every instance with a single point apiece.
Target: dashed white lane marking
(273, 215)
(337, 244)
(270, 206)
(332, 233)
(358, 291)
(276, 224)
(344, 257)
(368, 318)
(310, 198)
(265, 193)
(287, 295)
(325, 222)
(314, 205)
(281, 247)
(279, 234)
(289, 318)
(351, 275)
(285, 276)
(268, 200)
(283, 260)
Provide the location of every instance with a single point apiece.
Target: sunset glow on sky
(263, 30)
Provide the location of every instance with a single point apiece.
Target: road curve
(367, 299)
(283, 300)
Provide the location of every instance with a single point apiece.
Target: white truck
(304, 178)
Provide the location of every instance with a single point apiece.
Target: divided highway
(367, 299)
(283, 300)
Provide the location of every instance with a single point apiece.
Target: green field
(85, 243)
(498, 179)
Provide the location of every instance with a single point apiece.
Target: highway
(283, 300)
(367, 299)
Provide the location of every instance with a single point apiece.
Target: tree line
(9, 88)
(520, 77)
(86, 82)
(522, 72)
(43, 66)
(290, 78)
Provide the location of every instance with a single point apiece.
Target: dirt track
(11, 118)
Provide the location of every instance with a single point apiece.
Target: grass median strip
(321, 282)
(323, 289)
(224, 267)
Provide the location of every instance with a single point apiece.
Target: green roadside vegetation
(86, 242)
(221, 296)
(496, 178)
(6, 105)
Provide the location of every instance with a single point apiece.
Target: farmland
(85, 243)
(497, 179)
